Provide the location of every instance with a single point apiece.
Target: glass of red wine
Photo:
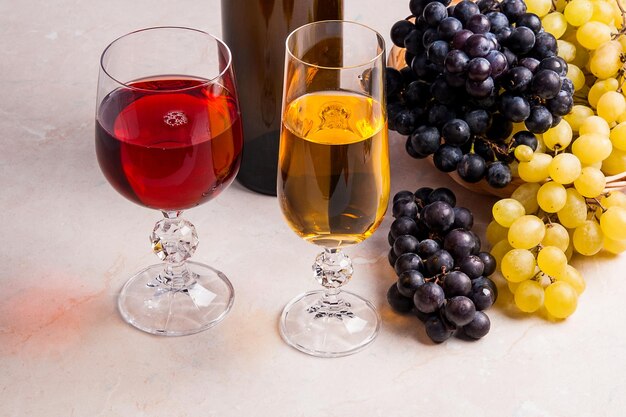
(168, 137)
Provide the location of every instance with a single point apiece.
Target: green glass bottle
(255, 31)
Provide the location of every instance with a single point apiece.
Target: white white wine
(333, 179)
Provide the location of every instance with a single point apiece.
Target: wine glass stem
(332, 269)
(174, 240)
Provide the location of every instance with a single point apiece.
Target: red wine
(169, 143)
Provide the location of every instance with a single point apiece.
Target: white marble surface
(69, 242)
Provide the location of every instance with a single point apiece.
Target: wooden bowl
(396, 60)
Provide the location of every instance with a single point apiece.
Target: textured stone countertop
(69, 242)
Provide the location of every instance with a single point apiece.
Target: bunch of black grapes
(473, 70)
(442, 273)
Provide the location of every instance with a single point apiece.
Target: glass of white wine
(333, 175)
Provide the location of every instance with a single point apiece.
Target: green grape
(577, 12)
(551, 260)
(551, 197)
(614, 246)
(573, 278)
(499, 250)
(578, 115)
(599, 88)
(614, 198)
(592, 148)
(495, 232)
(537, 169)
(506, 211)
(518, 265)
(560, 299)
(613, 223)
(593, 34)
(555, 24)
(512, 286)
(558, 137)
(529, 296)
(567, 51)
(523, 153)
(539, 7)
(556, 235)
(615, 163)
(527, 195)
(618, 136)
(514, 166)
(602, 12)
(581, 59)
(611, 105)
(588, 238)
(595, 124)
(570, 251)
(576, 75)
(591, 182)
(605, 62)
(526, 232)
(565, 168)
(574, 213)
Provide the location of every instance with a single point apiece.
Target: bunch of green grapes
(562, 208)
(591, 39)
(535, 233)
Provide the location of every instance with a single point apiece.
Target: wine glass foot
(310, 325)
(150, 304)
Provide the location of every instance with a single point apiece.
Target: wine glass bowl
(333, 176)
(168, 137)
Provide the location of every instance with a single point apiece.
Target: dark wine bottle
(255, 31)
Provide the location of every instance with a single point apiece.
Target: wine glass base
(154, 307)
(318, 332)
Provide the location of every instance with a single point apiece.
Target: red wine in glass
(169, 137)
(169, 143)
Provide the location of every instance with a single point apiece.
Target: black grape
(471, 167)
(478, 327)
(456, 283)
(447, 158)
(436, 329)
(400, 30)
(463, 218)
(408, 262)
(442, 194)
(408, 282)
(472, 266)
(460, 310)
(403, 226)
(405, 244)
(429, 297)
(427, 248)
(489, 261)
(397, 301)
(455, 132)
(459, 243)
(498, 174)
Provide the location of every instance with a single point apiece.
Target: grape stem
(612, 178)
(621, 9)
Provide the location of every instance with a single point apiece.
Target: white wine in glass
(333, 176)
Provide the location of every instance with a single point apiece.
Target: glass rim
(204, 83)
(367, 63)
